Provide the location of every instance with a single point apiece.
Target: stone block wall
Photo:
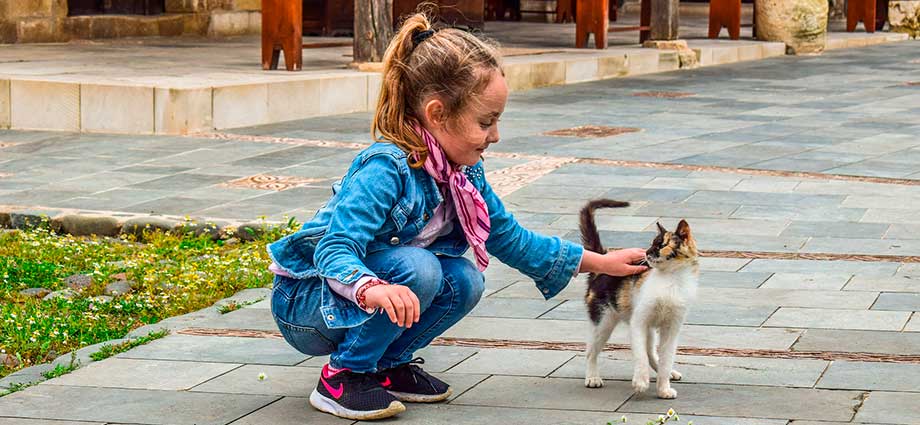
(46, 21)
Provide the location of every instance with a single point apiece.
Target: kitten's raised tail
(589, 236)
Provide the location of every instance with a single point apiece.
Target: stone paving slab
(514, 362)
(808, 281)
(143, 374)
(218, 349)
(512, 307)
(709, 370)
(897, 302)
(291, 411)
(761, 297)
(543, 393)
(914, 324)
(905, 343)
(894, 408)
(245, 318)
(279, 380)
(732, 280)
(129, 406)
(871, 376)
(752, 401)
(790, 317)
(897, 283)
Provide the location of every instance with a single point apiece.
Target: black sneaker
(352, 395)
(410, 383)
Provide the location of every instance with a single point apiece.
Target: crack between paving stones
(263, 407)
(862, 400)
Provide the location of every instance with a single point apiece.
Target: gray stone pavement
(773, 339)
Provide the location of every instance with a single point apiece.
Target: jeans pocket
(307, 340)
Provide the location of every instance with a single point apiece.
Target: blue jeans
(447, 288)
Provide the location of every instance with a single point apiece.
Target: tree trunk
(373, 29)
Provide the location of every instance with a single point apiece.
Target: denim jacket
(381, 203)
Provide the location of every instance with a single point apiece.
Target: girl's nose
(493, 137)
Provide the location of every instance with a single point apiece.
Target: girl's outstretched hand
(399, 302)
(622, 262)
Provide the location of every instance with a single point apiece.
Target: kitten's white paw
(675, 375)
(668, 393)
(640, 381)
(594, 382)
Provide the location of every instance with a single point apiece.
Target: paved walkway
(800, 176)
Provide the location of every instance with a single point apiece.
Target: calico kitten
(653, 302)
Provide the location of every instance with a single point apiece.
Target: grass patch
(174, 274)
(234, 306)
(107, 350)
(19, 386)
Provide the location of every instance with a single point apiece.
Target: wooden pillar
(665, 19)
(373, 29)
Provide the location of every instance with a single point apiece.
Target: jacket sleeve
(549, 260)
(368, 196)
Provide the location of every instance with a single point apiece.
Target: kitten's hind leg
(600, 333)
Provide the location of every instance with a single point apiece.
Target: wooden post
(373, 29)
(281, 31)
(665, 19)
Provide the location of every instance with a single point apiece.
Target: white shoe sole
(419, 398)
(324, 404)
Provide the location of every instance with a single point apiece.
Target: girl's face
(467, 136)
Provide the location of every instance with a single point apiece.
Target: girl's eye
(485, 125)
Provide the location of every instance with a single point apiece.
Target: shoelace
(417, 371)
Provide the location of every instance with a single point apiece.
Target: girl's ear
(434, 113)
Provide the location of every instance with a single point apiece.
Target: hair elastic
(421, 36)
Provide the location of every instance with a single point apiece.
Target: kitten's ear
(661, 229)
(683, 230)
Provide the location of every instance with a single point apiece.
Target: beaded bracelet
(360, 296)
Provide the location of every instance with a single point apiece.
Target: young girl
(378, 273)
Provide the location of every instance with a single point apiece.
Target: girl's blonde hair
(448, 64)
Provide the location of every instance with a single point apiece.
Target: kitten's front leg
(639, 334)
(666, 352)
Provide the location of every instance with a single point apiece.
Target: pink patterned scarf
(468, 203)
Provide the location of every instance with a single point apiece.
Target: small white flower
(623, 419)
(262, 376)
(671, 412)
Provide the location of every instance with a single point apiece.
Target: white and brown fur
(653, 303)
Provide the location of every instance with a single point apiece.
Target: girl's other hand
(399, 302)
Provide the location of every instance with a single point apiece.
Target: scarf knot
(468, 202)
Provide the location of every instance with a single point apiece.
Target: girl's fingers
(411, 310)
(388, 307)
(400, 308)
(417, 305)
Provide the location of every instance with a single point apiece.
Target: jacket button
(545, 290)
(394, 241)
(330, 317)
(425, 217)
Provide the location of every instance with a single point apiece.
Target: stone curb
(34, 374)
(112, 224)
